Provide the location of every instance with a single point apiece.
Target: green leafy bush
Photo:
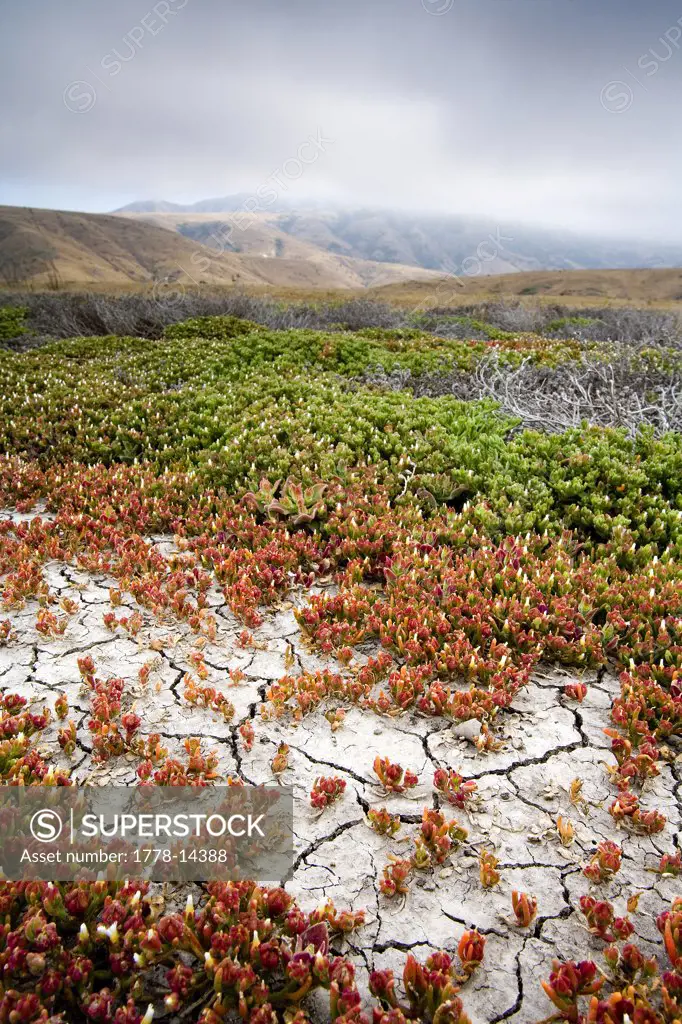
(12, 322)
(223, 327)
(279, 404)
(561, 323)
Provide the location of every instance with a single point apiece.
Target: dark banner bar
(159, 833)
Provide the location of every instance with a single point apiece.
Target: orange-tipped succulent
(567, 983)
(487, 869)
(525, 908)
(605, 862)
(396, 873)
(280, 761)
(470, 950)
(393, 777)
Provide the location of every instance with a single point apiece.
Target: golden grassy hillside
(59, 248)
(634, 287)
(43, 246)
(282, 258)
(51, 248)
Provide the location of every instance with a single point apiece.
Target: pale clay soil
(547, 741)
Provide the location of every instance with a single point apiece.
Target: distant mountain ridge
(229, 204)
(220, 204)
(461, 246)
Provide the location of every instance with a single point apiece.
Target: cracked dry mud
(546, 739)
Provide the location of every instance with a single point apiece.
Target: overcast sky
(552, 112)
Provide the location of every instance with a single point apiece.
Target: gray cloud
(557, 112)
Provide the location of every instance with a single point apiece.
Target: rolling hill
(465, 247)
(51, 246)
(58, 248)
(287, 252)
(258, 237)
(660, 287)
(451, 244)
